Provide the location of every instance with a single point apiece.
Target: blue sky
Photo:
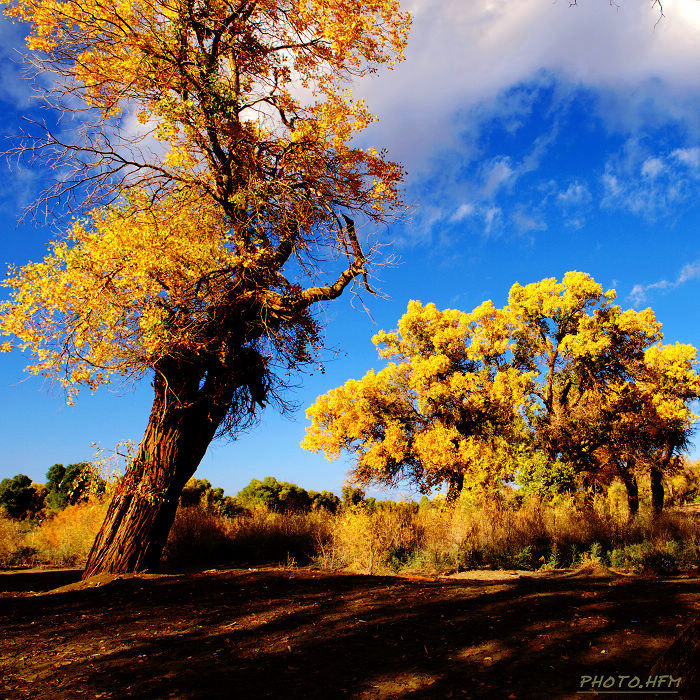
(537, 138)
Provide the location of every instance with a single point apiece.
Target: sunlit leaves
(555, 385)
(444, 409)
(213, 233)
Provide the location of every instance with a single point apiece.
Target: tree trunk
(180, 428)
(657, 491)
(630, 481)
(455, 487)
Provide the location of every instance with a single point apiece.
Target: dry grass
(63, 540)
(393, 537)
(201, 536)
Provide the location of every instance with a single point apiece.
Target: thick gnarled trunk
(142, 510)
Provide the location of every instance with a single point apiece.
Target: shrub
(12, 536)
(66, 538)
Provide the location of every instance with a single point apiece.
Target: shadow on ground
(304, 634)
(37, 579)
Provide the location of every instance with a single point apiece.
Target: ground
(300, 633)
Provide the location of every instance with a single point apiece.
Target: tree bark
(455, 487)
(181, 426)
(657, 491)
(630, 482)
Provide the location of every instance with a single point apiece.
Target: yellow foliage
(66, 538)
(560, 370)
(444, 409)
(252, 178)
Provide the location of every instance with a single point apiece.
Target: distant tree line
(276, 496)
(23, 499)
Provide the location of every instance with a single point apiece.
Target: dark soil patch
(308, 634)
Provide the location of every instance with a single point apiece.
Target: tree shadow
(299, 635)
(37, 580)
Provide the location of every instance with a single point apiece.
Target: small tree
(72, 484)
(324, 500)
(208, 253)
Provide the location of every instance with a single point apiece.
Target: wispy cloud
(463, 212)
(650, 185)
(640, 292)
(576, 193)
(688, 156)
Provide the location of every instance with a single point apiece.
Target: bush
(66, 538)
(12, 536)
(386, 537)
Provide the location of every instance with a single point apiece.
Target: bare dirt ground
(299, 633)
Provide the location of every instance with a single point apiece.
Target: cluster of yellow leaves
(435, 413)
(130, 285)
(251, 103)
(471, 394)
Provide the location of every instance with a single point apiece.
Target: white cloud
(464, 211)
(691, 271)
(492, 219)
(525, 222)
(464, 55)
(652, 167)
(667, 180)
(575, 194)
(688, 156)
(639, 293)
(498, 174)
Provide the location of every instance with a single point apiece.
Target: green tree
(278, 496)
(196, 492)
(72, 484)
(324, 500)
(199, 492)
(20, 498)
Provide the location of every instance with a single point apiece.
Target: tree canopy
(222, 202)
(20, 498)
(437, 412)
(560, 386)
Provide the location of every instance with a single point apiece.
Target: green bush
(20, 498)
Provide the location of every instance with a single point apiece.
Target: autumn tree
(560, 386)
(445, 410)
(609, 400)
(214, 228)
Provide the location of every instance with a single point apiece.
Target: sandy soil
(308, 634)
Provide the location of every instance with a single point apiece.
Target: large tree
(216, 224)
(446, 409)
(609, 399)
